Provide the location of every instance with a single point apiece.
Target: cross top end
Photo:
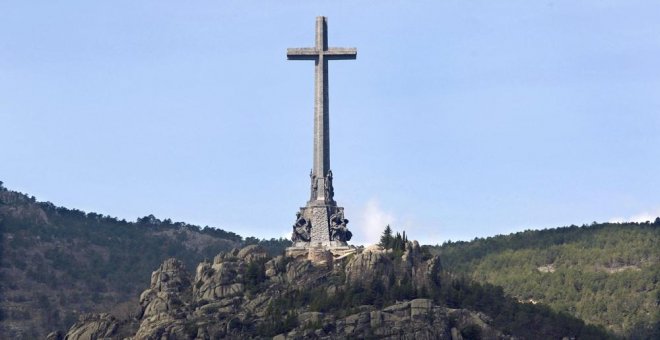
(321, 49)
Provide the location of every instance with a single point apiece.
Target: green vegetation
(606, 274)
(397, 242)
(56, 262)
(524, 320)
(278, 321)
(255, 275)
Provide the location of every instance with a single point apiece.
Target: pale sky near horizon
(459, 119)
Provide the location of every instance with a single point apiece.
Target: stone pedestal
(318, 216)
(320, 221)
(318, 253)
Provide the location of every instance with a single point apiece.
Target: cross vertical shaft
(321, 107)
(321, 54)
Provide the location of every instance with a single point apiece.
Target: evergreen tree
(397, 243)
(386, 238)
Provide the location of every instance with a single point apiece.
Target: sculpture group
(321, 221)
(302, 229)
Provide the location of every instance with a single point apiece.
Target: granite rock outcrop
(245, 294)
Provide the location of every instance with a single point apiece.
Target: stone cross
(321, 54)
(321, 222)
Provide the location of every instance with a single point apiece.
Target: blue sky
(459, 119)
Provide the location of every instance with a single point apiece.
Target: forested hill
(606, 274)
(56, 263)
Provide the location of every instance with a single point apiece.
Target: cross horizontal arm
(302, 53)
(337, 53)
(311, 53)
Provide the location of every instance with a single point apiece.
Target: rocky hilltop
(372, 293)
(57, 263)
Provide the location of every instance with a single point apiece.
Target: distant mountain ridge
(57, 263)
(606, 274)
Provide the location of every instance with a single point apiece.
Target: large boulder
(93, 326)
(162, 326)
(252, 253)
(368, 266)
(170, 277)
(165, 304)
(155, 303)
(275, 266)
(169, 289)
(218, 280)
(296, 270)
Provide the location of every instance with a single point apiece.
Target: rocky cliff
(244, 293)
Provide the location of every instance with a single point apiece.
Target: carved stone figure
(338, 229)
(313, 186)
(301, 229)
(329, 190)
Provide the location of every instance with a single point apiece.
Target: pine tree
(386, 238)
(397, 242)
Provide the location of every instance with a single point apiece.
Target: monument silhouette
(321, 223)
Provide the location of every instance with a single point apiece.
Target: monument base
(318, 214)
(325, 244)
(320, 253)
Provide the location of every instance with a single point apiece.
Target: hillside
(57, 263)
(373, 293)
(606, 274)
